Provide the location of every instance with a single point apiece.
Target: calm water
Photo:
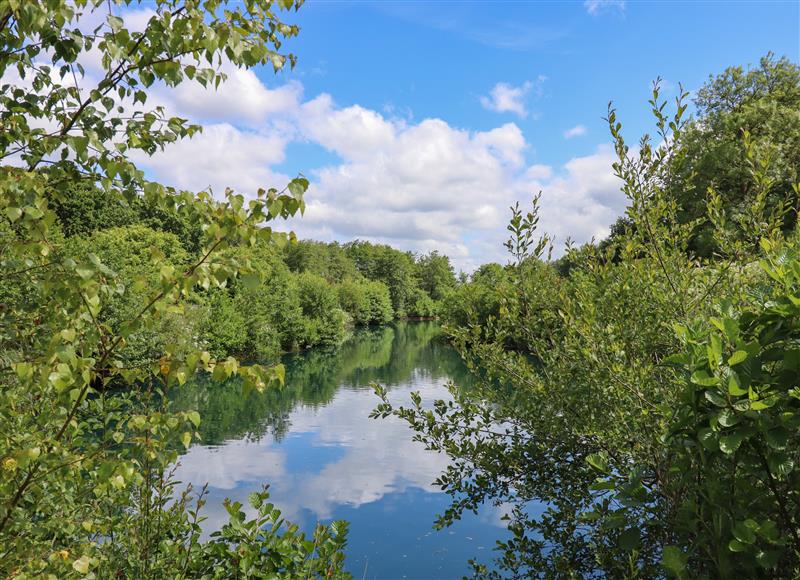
(325, 459)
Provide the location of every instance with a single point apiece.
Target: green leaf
(194, 417)
(81, 565)
(780, 464)
(13, 213)
(709, 439)
(734, 386)
(736, 546)
(674, 560)
(737, 357)
(745, 531)
(703, 378)
(599, 461)
(728, 418)
(716, 398)
(731, 442)
(768, 559)
(714, 349)
(678, 359)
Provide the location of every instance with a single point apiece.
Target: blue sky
(419, 123)
(437, 59)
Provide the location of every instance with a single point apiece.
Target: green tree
(326, 260)
(88, 208)
(84, 484)
(388, 265)
(759, 104)
(435, 274)
(366, 301)
(642, 420)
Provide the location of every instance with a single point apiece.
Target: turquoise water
(324, 458)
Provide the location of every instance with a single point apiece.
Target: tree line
(297, 295)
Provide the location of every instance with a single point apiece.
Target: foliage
(85, 436)
(86, 209)
(392, 267)
(761, 103)
(736, 429)
(327, 260)
(366, 301)
(421, 305)
(637, 413)
(435, 274)
(324, 320)
(128, 252)
(415, 284)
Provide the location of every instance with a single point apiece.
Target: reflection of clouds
(379, 458)
(224, 467)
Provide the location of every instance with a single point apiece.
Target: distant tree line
(302, 294)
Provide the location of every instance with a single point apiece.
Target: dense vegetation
(646, 389)
(109, 283)
(299, 295)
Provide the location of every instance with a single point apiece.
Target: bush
(422, 305)
(649, 401)
(225, 327)
(128, 253)
(366, 301)
(324, 320)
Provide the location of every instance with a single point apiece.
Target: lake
(313, 442)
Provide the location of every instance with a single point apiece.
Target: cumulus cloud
(219, 157)
(576, 131)
(506, 98)
(583, 199)
(595, 7)
(418, 185)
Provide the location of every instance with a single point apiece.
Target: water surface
(325, 459)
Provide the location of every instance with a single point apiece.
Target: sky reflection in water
(324, 459)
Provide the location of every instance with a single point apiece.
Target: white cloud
(583, 199)
(595, 7)
(219, 157)
(506, 98)
(416, 185)
(243, 98)
(576, 131)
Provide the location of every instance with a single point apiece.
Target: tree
(326, 260)
(756, 108)
(87, 209)
(435, 274)
(392, 267)
(84, 485)
(651, 427)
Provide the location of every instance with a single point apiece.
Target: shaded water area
(324, 458)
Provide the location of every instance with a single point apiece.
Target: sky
(418, 124)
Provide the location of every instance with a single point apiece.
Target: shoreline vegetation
(646, 387)
(296, 295)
